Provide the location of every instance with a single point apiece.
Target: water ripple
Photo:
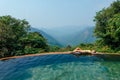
(61, 67)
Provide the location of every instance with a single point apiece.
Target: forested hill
(52, 41)
(15, 39)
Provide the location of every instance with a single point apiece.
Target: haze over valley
(62, 22)
(63, 36)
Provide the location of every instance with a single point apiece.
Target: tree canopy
(108, 25)
(15, 36)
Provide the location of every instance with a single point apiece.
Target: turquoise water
(61, 67)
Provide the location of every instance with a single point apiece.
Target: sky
(54, 13)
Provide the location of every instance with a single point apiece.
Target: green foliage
(59, 49)
(35, 40)
(51, 41)
(16, 40)
(113, 31)
(87, 46)
(54, 48)
(108, 26)
(97, 47)
(31, 50)
(11, 30)
(34, 43)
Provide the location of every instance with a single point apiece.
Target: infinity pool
(61, 67)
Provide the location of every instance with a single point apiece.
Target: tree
(11, 30)
(16, 39)
(113, 30)
(108, 24)
(34, 40)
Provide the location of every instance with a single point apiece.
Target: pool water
(61, 67)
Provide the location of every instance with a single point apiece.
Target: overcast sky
(54, 13)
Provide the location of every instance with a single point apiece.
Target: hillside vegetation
(17, 39)
(107, 28)
(51, 40)
(107, 31)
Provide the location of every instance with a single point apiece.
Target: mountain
(52, 41)
(72, 35)
(84, 36)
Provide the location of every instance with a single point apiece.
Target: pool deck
(50, 53)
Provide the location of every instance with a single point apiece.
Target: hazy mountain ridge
(85, 36)
(52, 41)
(72, 35)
